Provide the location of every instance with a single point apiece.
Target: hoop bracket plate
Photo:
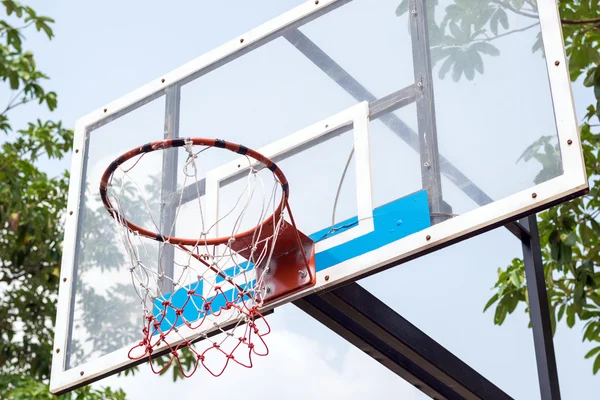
(289, 271)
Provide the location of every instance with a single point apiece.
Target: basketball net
(204, 296)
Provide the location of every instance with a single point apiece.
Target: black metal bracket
(369, 324)
(539, 311)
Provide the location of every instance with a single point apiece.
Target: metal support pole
(369, 324)
(354, 88)
(539, 312)
(169, 186)
(427, 130)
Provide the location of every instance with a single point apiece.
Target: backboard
(402, 127)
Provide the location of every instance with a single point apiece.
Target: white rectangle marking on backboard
(358, 117)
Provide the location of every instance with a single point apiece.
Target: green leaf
(51, 100)
(565, 254)
(553, 241)
(513, 302)
(595, 226)
(469, 71)
(402, 8)
(490, 302)
(41, 25)
(552, 322)
(515, 279)
(10, 7)
(439, 53)
(543, 159)
(455, 30)
(590, 78)
(445, 67)
(477, 62)
(578, 295)
(458, 68)
(595, 298)
(589, 332)
(570, 317)
(586, 233)
(494, 23)
(454, 12)
(483, 18)
(591, 112)
(13, 77)
(500, 315)
(596, 365)
(503, 18)
(13, 37)
(486, 48)
(561, 311)
(538, 43)
(570, 239)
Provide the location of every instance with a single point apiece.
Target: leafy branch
(570, 240)
(32, 205)
(17, 66)
(462, 38)
(501, 35)
(507, 5)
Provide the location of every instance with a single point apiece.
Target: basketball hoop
(223, 283)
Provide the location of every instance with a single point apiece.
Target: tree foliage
(462, 39)
(570, 232)
(32, 205)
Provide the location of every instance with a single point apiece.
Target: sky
(104, 50)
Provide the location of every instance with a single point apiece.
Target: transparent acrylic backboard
(403, 126)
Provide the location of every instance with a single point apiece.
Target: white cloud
(296, 368)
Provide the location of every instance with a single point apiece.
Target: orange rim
(170, 143)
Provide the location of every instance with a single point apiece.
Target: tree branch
(10, 107)
(10, 28)
(589, 28)
(580, 21)
(516, 11)
(12, 103)
(507, 33)
(487, 38)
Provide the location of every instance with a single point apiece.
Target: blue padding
(392, 222)
(194, 309)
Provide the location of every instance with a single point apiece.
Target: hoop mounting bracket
(292, 266)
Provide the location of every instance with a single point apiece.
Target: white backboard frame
(572, 182)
